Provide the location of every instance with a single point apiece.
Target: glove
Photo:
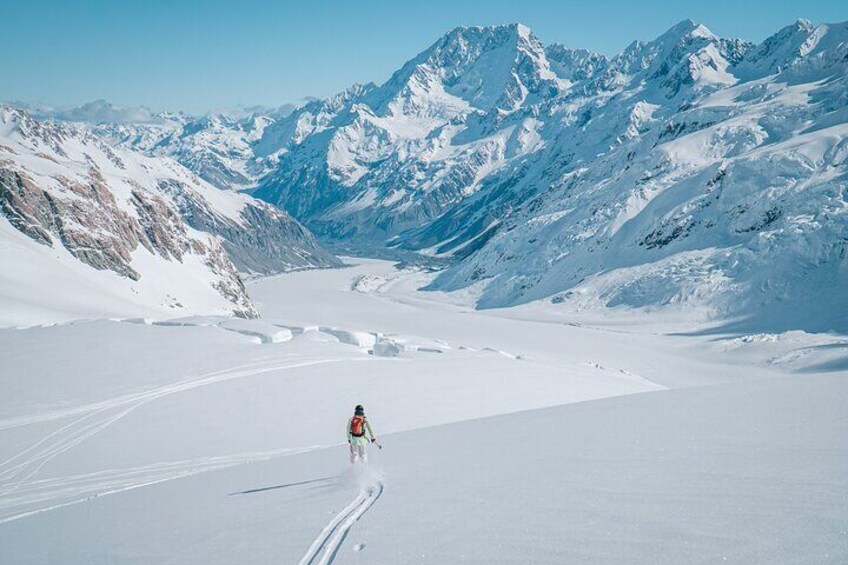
(373, 439)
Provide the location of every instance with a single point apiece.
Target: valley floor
(528, 435)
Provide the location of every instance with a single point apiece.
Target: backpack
(357, 426)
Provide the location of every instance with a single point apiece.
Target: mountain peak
(674, 59)
(493, 67)
(804, 25)
(689, 29)
(487, 37)
(522, 29)
(516, 28)
(792, 45)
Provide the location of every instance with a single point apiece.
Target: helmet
(359, 409)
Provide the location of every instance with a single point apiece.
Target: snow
(48, 285)
(640, 479)
(213, 440)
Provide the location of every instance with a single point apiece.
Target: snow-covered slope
(90, 230)
(727, 193)
(690, 169)
(642, 479)
(204, 441)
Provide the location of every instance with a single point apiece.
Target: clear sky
(196, 55)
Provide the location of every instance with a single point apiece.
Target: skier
(357, 427)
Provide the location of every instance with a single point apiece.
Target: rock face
(139, 218)
(261, 239)
(85, 219)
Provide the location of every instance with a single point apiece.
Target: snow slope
(652, 478)
(224, 445)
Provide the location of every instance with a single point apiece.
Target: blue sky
(201, 54)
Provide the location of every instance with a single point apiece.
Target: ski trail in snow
(17, 470)
(79, 430)
(75, 432)
(37, 462)
(326, 546)
(240, 371)
(80, 488)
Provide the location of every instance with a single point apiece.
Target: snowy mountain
(382, 160)
(690, 186)
(94, 112)
(688, 170)
(88, 229)
(218, 146)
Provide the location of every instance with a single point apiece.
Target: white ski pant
(357, 449)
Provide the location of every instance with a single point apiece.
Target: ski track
(326, 546)
(81, 488)
(16, 472)
(236, 372)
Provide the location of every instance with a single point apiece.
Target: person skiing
(357, 428)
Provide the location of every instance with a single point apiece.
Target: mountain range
(690, 171)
